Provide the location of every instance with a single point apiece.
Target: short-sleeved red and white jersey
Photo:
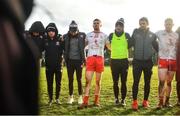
(167, 44)
(96, 42)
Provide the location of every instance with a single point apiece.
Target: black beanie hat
(73, 27)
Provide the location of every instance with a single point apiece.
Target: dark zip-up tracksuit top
(53, 52)
(81, 45)
(144, 43)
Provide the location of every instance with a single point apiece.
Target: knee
(178, 83)
(70, 81)
(161, 83)
(169, 83)
(115, 83)
(124, 81)
(79, 80)
(98, 83)
(147, 83)
(123, 84)
(135, 83)
(87, 83)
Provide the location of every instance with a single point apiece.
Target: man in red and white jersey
(96, 41)
(167, 61)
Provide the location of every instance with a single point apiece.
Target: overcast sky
(109, 11)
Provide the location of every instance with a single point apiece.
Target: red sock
(161, 99)
(85, 99)
(96, 100)
(135, 101)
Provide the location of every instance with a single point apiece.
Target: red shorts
(95, 63)
(167, 63)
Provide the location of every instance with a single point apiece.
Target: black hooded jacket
(37, 26)
(38, 40)
(53, 49)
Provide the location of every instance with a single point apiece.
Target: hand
(82, 65)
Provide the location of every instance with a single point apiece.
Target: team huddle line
(71, 47)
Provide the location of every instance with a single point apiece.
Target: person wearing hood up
(119, 60)
(36, 32)
(75, 58)
(53, 47)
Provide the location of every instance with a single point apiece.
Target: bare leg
(169, 81)
(98, 83)
(162, 73)
(97, 89)
(89, 75)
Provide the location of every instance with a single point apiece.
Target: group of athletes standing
(144, 43)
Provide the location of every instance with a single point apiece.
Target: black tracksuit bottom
(119, 68)
(72, 66)
(140, 66)
(50, 72)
